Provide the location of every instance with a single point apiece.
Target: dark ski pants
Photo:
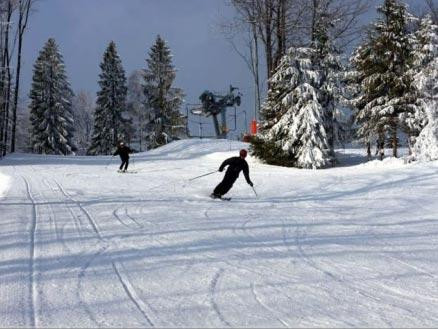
(125, 162)
(225, 185)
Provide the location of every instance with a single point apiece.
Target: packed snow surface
(4, 184)
(84, 246)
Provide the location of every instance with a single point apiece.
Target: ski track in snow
(266, 269)
(354, 288)
(299, 236)
(123, 279)
(80, 288)
(392, 292)
(86, 213)
(32, 284)
(59, 232)
(213, 293)
(131, 220)
(267, 308)
(130, 291)
(53, 221)
(119, 219)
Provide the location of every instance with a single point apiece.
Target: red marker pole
(253, 127)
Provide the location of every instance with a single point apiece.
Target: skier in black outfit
(235, 165)
(123, 151)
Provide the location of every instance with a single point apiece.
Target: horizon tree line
(386, 85)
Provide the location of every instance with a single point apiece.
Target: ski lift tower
(213, 105)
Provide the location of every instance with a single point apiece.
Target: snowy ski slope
(4, 184)
(83, 246)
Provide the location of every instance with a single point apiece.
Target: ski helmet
(243, 153)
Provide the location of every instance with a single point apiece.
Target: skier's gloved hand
(220, 170)
(251, 184)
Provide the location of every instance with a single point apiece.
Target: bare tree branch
(24, 9)
(433, 7)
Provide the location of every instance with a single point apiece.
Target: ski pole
(255, 192)
(202, 175)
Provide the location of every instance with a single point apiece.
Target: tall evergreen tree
(367, 92)
(331, 70)
(139, 112)
(384, 65)
(426, 45)
(426, 145)
(83, 108)
(299, 124)
(109, 124)
(165, 100)
(293, 116)
(272, 110)
(425, 77)
(51, 113)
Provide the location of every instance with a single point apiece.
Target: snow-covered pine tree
(51, 117)
(425, 50)
(165, 100)
(262, 145)
(425, 55)
(272, 109)
(332, 87)
(299, 126)
(367, 89)
(393, 44)
(426, 63)
(83, 108)
(426, 146)
(109, 124)
(386, 77)
(138, 112)
(293, 121)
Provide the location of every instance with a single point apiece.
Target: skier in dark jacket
(235, 166)
(123, 151)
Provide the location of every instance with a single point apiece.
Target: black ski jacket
(235, 166)
(123, 151)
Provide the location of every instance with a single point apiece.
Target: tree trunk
(255, 68)
(394, 137)
(2, 98)
(381, 144)
(6, 80)
(7, 103)
(113, 109)
(268, 15)
(368, 150)
(314, 18)
(22, 22)
(257, 79)
(280, 20)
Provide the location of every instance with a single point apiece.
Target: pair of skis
(220, 198)
(228, 199)
(127, 172)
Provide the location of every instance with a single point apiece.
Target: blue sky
(83, 29)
